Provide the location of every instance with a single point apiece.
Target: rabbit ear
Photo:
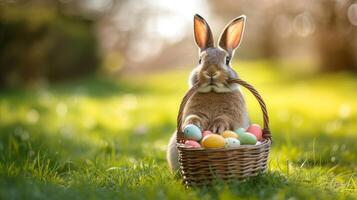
(232, 34)
(203, 34)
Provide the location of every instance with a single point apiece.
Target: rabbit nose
(211, 75)
(214, 75)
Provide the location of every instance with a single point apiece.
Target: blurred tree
(336, 36)
(38, 41)
(325, 30)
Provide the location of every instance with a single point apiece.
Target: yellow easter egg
(213, 141)
(229, 134)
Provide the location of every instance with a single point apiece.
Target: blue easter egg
(192, 132)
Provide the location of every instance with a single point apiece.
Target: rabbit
(217, 106)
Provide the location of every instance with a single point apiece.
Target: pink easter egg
(205, 133)
(192, 143)
(256, 130)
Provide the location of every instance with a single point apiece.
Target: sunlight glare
(176, 20)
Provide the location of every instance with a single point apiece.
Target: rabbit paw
(193, 119)
(219, 125)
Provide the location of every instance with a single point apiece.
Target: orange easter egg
(229, 134)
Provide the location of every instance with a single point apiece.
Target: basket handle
(193, 90)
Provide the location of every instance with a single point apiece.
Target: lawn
(96, 138)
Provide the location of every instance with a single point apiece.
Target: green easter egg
(192, 132)
(240, 131)
(247, 138)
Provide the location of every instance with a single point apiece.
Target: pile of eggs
(195, 138)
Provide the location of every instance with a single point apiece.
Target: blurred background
(90, 89)
(47, 41)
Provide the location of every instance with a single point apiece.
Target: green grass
(105, 139)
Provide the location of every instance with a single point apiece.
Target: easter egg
(213, 141)
(240, 131)
(229, 134)
(231, 142)
(205, 133)
(192, 143)
(247, 138)
(192, 132)
(256, 130)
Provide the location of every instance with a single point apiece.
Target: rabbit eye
(199, 61)
(228, 59)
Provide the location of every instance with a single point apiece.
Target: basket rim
(264, 143)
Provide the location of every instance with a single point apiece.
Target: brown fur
(216, 111)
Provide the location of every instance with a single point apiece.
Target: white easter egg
(231, 142)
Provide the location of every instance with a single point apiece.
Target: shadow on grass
(31, 189)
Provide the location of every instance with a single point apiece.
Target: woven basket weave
(199, 166)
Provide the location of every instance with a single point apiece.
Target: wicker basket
(199, 166)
